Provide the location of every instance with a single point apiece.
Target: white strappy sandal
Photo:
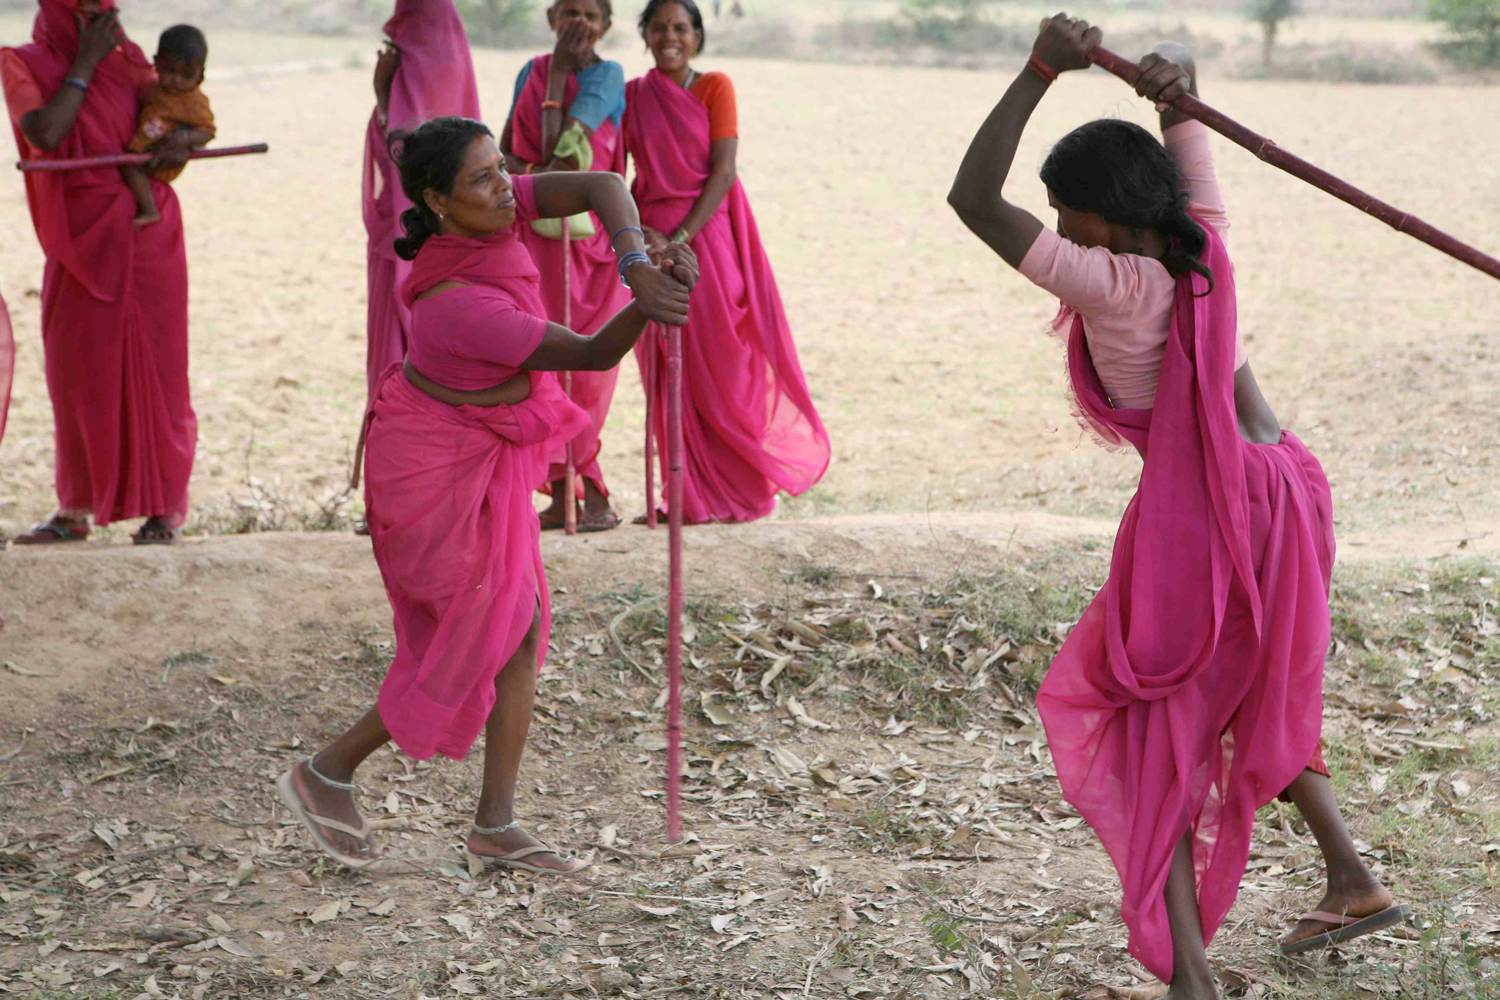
(514, 861)
(316, 824)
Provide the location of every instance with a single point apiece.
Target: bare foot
(144, 219)
(322, 799)
(515, 839)
(1352, 902)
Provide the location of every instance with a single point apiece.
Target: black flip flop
(1346, 927)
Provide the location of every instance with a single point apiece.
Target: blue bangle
(630, 259)
(77, 82)
(627, 229)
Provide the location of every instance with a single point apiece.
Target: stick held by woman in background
(749, 424)
(458, 438)
(1190, 692)
(566, 116)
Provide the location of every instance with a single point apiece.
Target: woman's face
(671, 38)
(482, 202)
(566, 13)
(1087, 229)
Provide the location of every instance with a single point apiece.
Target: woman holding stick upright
(114, 301)
(566, 116)
(425, 71)
(457, 441)
(749, 425)
(1190, 692)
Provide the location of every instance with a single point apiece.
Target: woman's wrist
(679, 235)
(82, 70)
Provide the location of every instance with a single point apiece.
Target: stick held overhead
(1273, 154)
(119, 159)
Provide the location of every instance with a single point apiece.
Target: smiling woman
(457, 439)
(749, 424)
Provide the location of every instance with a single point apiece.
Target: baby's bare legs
(139, 182)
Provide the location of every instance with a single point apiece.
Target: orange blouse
(717, 95)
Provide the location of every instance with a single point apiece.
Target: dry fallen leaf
(607, 835)
(721, 921)
(327, 911)
(656, 911)
(219, 924)
(384, 908)
(141, 899)
(235, 948)
(459, 922)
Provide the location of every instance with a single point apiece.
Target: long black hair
(694, 14)
(605, 7)
(429, 156)
(1119, 170)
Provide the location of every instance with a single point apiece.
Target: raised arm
(47, 126)
(977, 194)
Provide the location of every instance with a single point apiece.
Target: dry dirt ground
(917, 846)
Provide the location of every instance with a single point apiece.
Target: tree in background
(496, 22)
(1269, 14)
(1476, 23)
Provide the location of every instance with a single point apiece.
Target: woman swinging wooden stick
(1190, 692)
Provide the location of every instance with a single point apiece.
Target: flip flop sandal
(607, 523)
(1346, 927)
(59, 530)
(314, 823)
(514, 861)
(140, 539)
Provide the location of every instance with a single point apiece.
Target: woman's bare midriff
(513, 390)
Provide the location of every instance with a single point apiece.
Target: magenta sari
(749, 425)
(436, 78)
(114, 300)
(597, 292)
(448, 499)
(1190, 692)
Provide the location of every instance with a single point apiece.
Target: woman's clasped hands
(663, 289)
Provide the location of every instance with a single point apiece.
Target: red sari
(435, 78)
(749, 425)
(114, 300)
(1190, 692)
(597, 292)
(448, 496)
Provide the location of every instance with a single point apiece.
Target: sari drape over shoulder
(435, 78)
(114, 300)
(597, 293)
(1190, 692)
(448, 497)
(749, 424)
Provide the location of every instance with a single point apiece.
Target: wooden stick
(570, 474)
(650, 378)
(117, 159)
(1265, 149)
(674, 592)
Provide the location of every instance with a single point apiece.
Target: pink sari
(448, 498)
(748, 422)
(436, 78)
(1190, 692)
(114, 301)
(597, 293)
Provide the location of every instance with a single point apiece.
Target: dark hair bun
(1119, 170)
(429, 158)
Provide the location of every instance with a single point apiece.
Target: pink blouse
(476, 336)
(1126, 299)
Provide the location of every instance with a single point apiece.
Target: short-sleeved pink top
(1126, 299)
(476, 336)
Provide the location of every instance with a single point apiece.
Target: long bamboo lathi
(1267, 150)
(570, 473)
(120, 159)
(674, 586)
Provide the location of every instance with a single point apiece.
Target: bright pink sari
(597, 293)
(114, 301)
(1190, 692)
(448, 499)
(436, 78)
(748, 422)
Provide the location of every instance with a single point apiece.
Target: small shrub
(1475, 26)
(1342, 62)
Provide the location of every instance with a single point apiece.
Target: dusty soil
(155, 694)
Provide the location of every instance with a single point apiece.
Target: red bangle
(549, 105)
(1041, 69)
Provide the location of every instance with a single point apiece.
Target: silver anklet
(490, 831)
(347, 786)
